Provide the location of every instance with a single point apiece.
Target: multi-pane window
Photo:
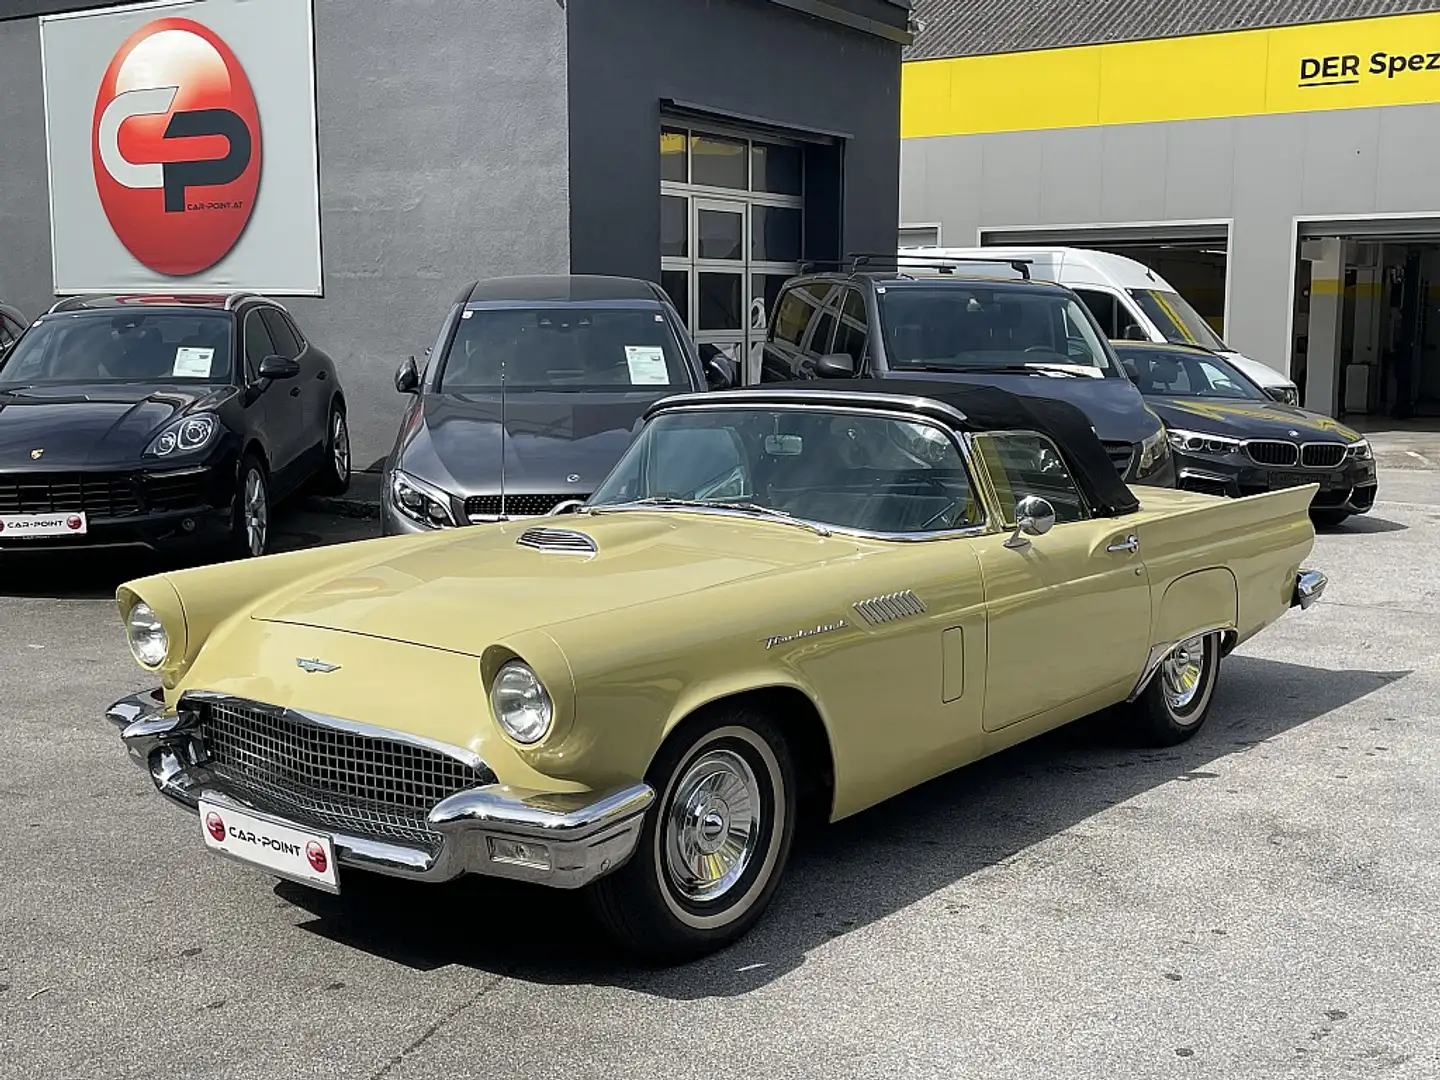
(732, 226)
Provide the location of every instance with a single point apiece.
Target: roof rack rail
(235, 297)
(939, 262)
(61, 304)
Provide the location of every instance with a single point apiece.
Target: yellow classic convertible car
(783, 601)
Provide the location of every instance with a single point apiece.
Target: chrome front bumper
(562, 840)
(1309, 587)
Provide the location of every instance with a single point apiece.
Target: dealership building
(364, 161)
(1275, 162)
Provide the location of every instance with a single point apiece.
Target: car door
(795, 325)
(851, 328)
(1068, 613)
(313, 384)
(277, 399)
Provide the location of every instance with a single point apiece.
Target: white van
(1128, 299)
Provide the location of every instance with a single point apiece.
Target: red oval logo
(315, 852)
(175, 143)
(73, 521)
(214, 825)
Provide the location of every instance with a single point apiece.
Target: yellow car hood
(480, 586)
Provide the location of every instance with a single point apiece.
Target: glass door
(720, 228)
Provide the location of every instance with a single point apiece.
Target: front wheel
(1175, 703)
(714, 844)
(250, 519)
(334, 474)
(1328, 518)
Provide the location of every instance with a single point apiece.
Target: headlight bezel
(1203, 442)
(1153, 453)
(430, 495)
(140, 619)
(1360, 450)
(517, 679)
(184, 436)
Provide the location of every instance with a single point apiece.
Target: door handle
(1131, 544)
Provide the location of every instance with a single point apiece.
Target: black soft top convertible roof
(964, 407)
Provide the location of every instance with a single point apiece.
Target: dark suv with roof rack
(161, 421)
(923, 320)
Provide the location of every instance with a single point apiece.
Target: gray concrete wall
(444, 137)
(1261, 172)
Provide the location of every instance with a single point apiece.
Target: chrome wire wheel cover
(340, 446)
(257, 513)
(712, 827)
(1182, 674)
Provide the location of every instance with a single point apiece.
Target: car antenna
(503, 437)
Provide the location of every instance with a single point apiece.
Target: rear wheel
(1328, 518)
(1174, 705)
(334, 474)
(250, 519)
(714, 844)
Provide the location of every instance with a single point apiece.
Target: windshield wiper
(1074, 370)
(702, 504)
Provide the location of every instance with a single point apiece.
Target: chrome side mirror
(1034, 516)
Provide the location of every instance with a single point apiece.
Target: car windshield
(1177, 320)
(869, 472)
(963, 327)
(1182, 373)
(90, 347)
(564, 347)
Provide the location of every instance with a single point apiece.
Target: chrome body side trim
(562, 840)
(1309, 587)
(1159, 652)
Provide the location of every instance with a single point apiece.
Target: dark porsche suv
(163, 421)
(1023, 336)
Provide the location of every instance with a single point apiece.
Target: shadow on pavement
(842, 877)
(1362, 523)
(94, 575)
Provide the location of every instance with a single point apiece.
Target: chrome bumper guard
(562, 840)
(1309, 587)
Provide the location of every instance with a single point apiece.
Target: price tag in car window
(193, 363)
(647, 365)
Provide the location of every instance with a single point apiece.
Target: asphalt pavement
(1261, 902)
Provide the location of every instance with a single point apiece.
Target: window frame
(252, 372)
(271, 315)
(1003, 513)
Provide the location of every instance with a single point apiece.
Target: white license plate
(282, 848)
(23, 526)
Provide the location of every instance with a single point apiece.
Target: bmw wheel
(1175, 703)
(334, 474)
(714, 845)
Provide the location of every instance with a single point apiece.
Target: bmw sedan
(1230, 438)
(163, 422)
(535, 388)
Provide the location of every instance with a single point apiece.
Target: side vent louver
(564, 541)
(888, 608)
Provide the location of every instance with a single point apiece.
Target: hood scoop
(562, 541)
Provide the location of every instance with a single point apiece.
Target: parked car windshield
(964, 327)
(136, 346)
(1181, 373)
(564, 347)
(1177, 320)
(862, 471)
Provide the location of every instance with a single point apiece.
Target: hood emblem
(37, 454)
(1294, 434)
(315, 665)
(573, 478)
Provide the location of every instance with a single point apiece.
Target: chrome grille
(1272, 452)
(101, 495)
(567, 541)
(1121, 453)
(1322, 455)
(517, 505)
(891, 606)
(364, 784)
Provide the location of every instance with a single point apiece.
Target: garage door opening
(1192, 258)
(1366, 321)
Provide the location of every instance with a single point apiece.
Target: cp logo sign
(175, 143)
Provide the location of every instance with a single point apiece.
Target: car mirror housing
(407, 377)
(1034, 516)
(279, 367)
(835, 366)
(719, 373)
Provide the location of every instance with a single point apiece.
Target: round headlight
(148, 639)
(522, 707)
